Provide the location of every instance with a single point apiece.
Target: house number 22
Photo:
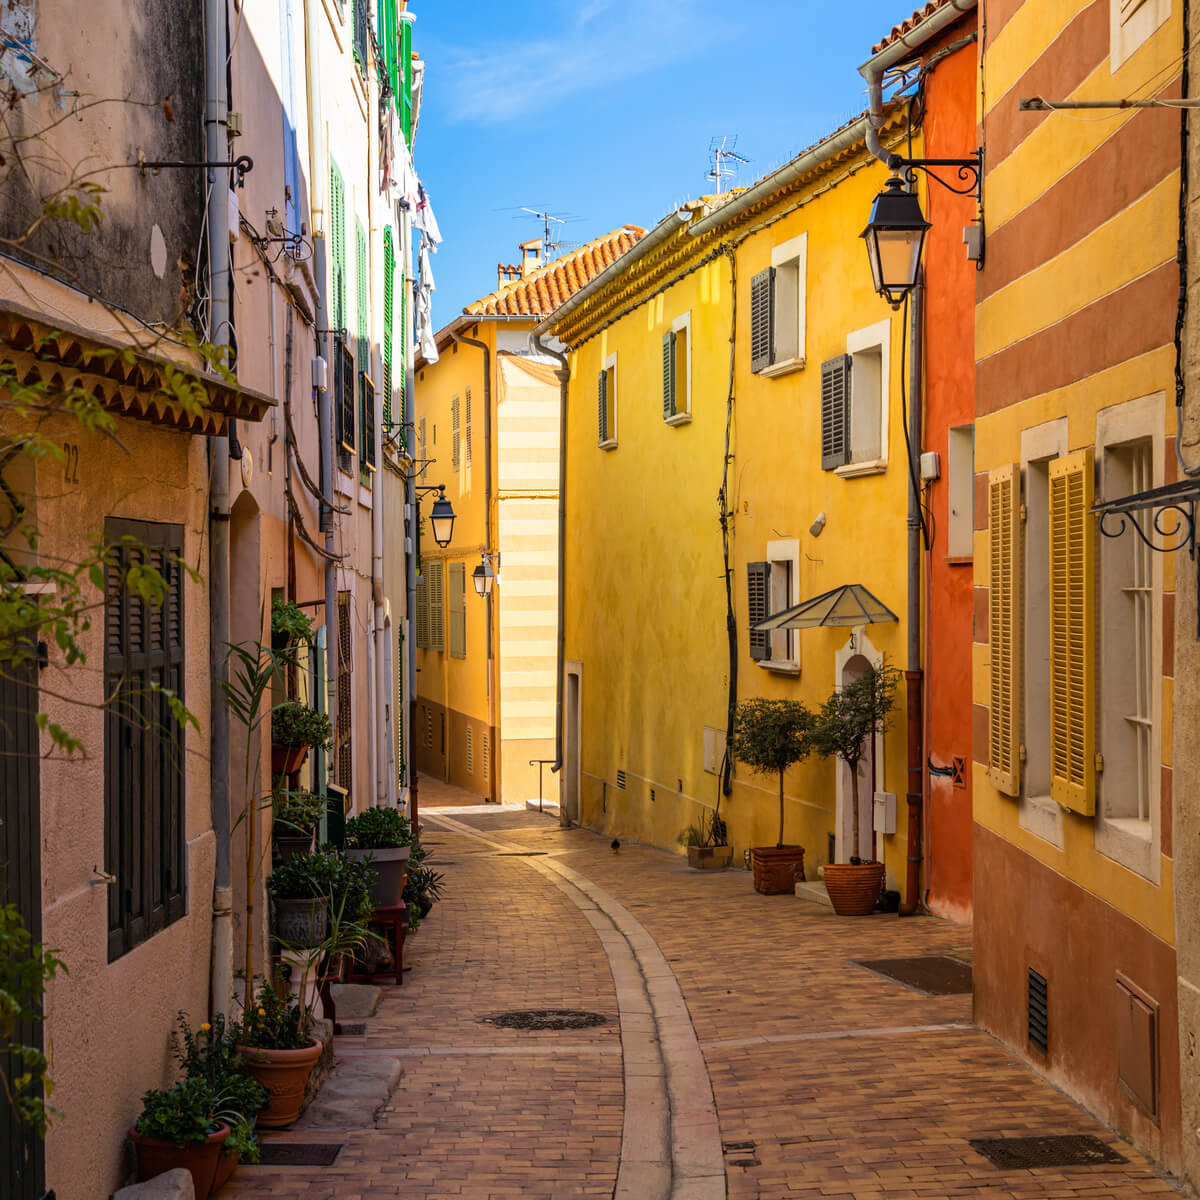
(70, 462)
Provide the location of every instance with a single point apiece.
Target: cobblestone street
(828, 1080)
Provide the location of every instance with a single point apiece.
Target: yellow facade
(646, 644)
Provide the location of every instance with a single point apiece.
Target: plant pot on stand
(391, 866)
(287, 760)
(302, 923)
(290, 843)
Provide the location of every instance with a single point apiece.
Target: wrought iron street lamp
(483, 577)
(441, 518)
(895, 234)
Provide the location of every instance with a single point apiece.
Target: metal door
(22, 1154)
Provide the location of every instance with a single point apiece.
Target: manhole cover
(298, 1154)
(935, 975)
(1062, 1150)
(546, 1018)
(519, 853)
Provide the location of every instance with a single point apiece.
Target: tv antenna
(723, 152)
(546, 219)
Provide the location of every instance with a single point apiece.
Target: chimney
(506, 273)
(531, 256)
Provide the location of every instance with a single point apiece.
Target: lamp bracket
(241, 165)
(969, 171)
(1172, 521)
(425, 489)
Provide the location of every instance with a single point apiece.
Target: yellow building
(716, 376)
(487, 419)
(1075, 963)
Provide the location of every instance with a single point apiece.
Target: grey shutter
(668, 375)
(835, 412)
(437, 607)
(762, 319)
(758, 580)
(602, 405)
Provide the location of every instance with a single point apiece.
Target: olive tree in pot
(845, 729)
(772, 735)
(384, 837)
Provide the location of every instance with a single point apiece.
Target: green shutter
(389, 269)
(405, 78)
(668, 362)
(337, 244)
(360, 271)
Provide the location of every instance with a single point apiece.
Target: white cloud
(601, 43)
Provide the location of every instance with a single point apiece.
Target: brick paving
(829, 1081)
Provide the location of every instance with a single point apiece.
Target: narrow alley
(828, 1079)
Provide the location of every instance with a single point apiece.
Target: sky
(603, 112)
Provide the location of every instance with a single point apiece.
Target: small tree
(848, 721)
(772, 735)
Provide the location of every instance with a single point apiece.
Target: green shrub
(297, 812)
(379, 829)
(771, 735)
(294, 724)
(290, 622)
(275, 1022)
(305, 877)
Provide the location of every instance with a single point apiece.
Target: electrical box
(973, 240)
(320, 373)
(885, 812)
(931, 466)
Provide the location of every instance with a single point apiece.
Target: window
(455, 439)
(366, 422)
(343, 746)
(1129, 448)
(1131, 22)
(1037, 629)
(778, 305)
(143, 743)
(362, 307)
(437, 607)
(362, 34)
(677, 371)
(458, 610)
(854, 404)
(960, 501)
(606, 404)
(345, 403)
(421, 632)
(772, 588)
(389, 316)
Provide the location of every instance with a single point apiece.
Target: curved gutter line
(873, 69)
(786, 174)
(670, 224)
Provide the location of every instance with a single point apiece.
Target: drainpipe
(913, 677)
(564, 376)
(412, 534)
(900, 50)
(487, 545)
(316, 196)
(216, 108)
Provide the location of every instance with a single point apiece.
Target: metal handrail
(539, 763)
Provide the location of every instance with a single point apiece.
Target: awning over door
(850, 604)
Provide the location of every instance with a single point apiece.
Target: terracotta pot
(288, 845)
(284, 1073)
(301, 923)
(854, 887)
(391, 867)
(226, 1165)
(709, 858)
(777, 869)
(287, 759)
(156, 1155)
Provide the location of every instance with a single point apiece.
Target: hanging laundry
(426, 342)
(424, 219)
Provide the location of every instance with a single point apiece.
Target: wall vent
(487, 755)
(651, 795)
(1039, 1028)
(470, 752)
(621, 780)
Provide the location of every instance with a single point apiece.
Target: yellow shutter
(1004, 629)
(1072, 633)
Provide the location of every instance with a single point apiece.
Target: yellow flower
(262, 1012)
(205, 1027)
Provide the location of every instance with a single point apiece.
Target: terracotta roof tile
(906, 26)
(543, 290)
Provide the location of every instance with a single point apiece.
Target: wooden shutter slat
(835, 412)
(762, 319)
(758, 581)
(602, 407)
(1004, 629)
(1072, 633)
(437, 608)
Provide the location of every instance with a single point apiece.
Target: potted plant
(772, 735)
(210, 1053)
(290, 625)
(845, 728)
(296, 816)
(279, 1051)
(384, 837)
(189, 1125)
(301, 889)
(707, 845)
(294, 729)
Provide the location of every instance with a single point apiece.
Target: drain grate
(546, 1018)
(935, 975)
(299, 1154)
(729, 1147)
(519, 853)
(1061, 1150)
